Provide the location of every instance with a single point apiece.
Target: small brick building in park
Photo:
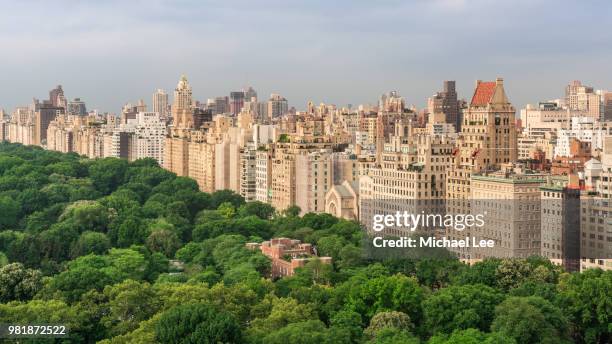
(287, 255)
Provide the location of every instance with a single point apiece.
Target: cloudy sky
(341, 52)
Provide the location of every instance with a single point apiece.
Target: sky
(340, 52)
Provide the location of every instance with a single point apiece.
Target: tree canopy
(126, 252)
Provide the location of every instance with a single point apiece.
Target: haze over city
(346, 52)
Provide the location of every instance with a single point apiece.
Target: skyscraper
(249, 94)
(236, 101)
(277, 106)
(176, 152)
(182, 107)
(43, 116)
(160, 102)
(77, 107)
(446, 102)
(581, 98)
(57, 98)
(487, 140)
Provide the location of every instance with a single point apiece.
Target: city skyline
(114, 53)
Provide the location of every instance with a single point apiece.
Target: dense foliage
(130, 253)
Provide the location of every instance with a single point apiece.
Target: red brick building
(287, 255)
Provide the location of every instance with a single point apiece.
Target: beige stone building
(342, 200)
(509, 201)
(263, 173)
(487, 140)
(560, 222)
(313, 171)
(176, 150)
(596, 217)
(408, 176)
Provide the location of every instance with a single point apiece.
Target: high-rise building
(487, 140)
(220, 105)
(263, 174)
(183, 98)
(596, 213)
(606, 99)
(546, 117)
(160, 102)
(277, 106)
(77, 107)
(250, 93)
(560, 216)
(150, 136)
(581, 98)
(446, 102)
(46, 113)
(313, 178)
(409, 173)
(176, 150)
(248, 172)
(57, 98)
(236, 102)
(4, 126)
(509, 203)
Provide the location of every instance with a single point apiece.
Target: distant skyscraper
(446, 102)
(56, 96)
(277, 106)
(183, 99)
(77, 107)
(606, 99)
(182, 108)
(249, 94)
(141, 106)
(579, 97)
(221, 105)
(43, 116)
(160, 102)
(236, 101)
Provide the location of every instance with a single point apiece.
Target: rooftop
(483, 93)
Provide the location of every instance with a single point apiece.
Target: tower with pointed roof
(182, 108)
(488, 132)
(487, 140)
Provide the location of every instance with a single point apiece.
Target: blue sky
(338, 52)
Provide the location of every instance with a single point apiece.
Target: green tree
(530, 320)
(331, 246)
(392, 319)
(585, 299)
(471, 336)
(350, 322)
(197, 323)
(87, 216)
(18, 283)
(283, 311)
(305, 332)
(83, 274)
(130, 302)
(385, 293)
(262, 210)
(90, 242)
(107, 174)
(512, 272)
(392, 335)
(10, 211)
(221, 196)
(131, 231)
(460, 307)
(163, 241)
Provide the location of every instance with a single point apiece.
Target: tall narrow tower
(160, 102)
(182, 108)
